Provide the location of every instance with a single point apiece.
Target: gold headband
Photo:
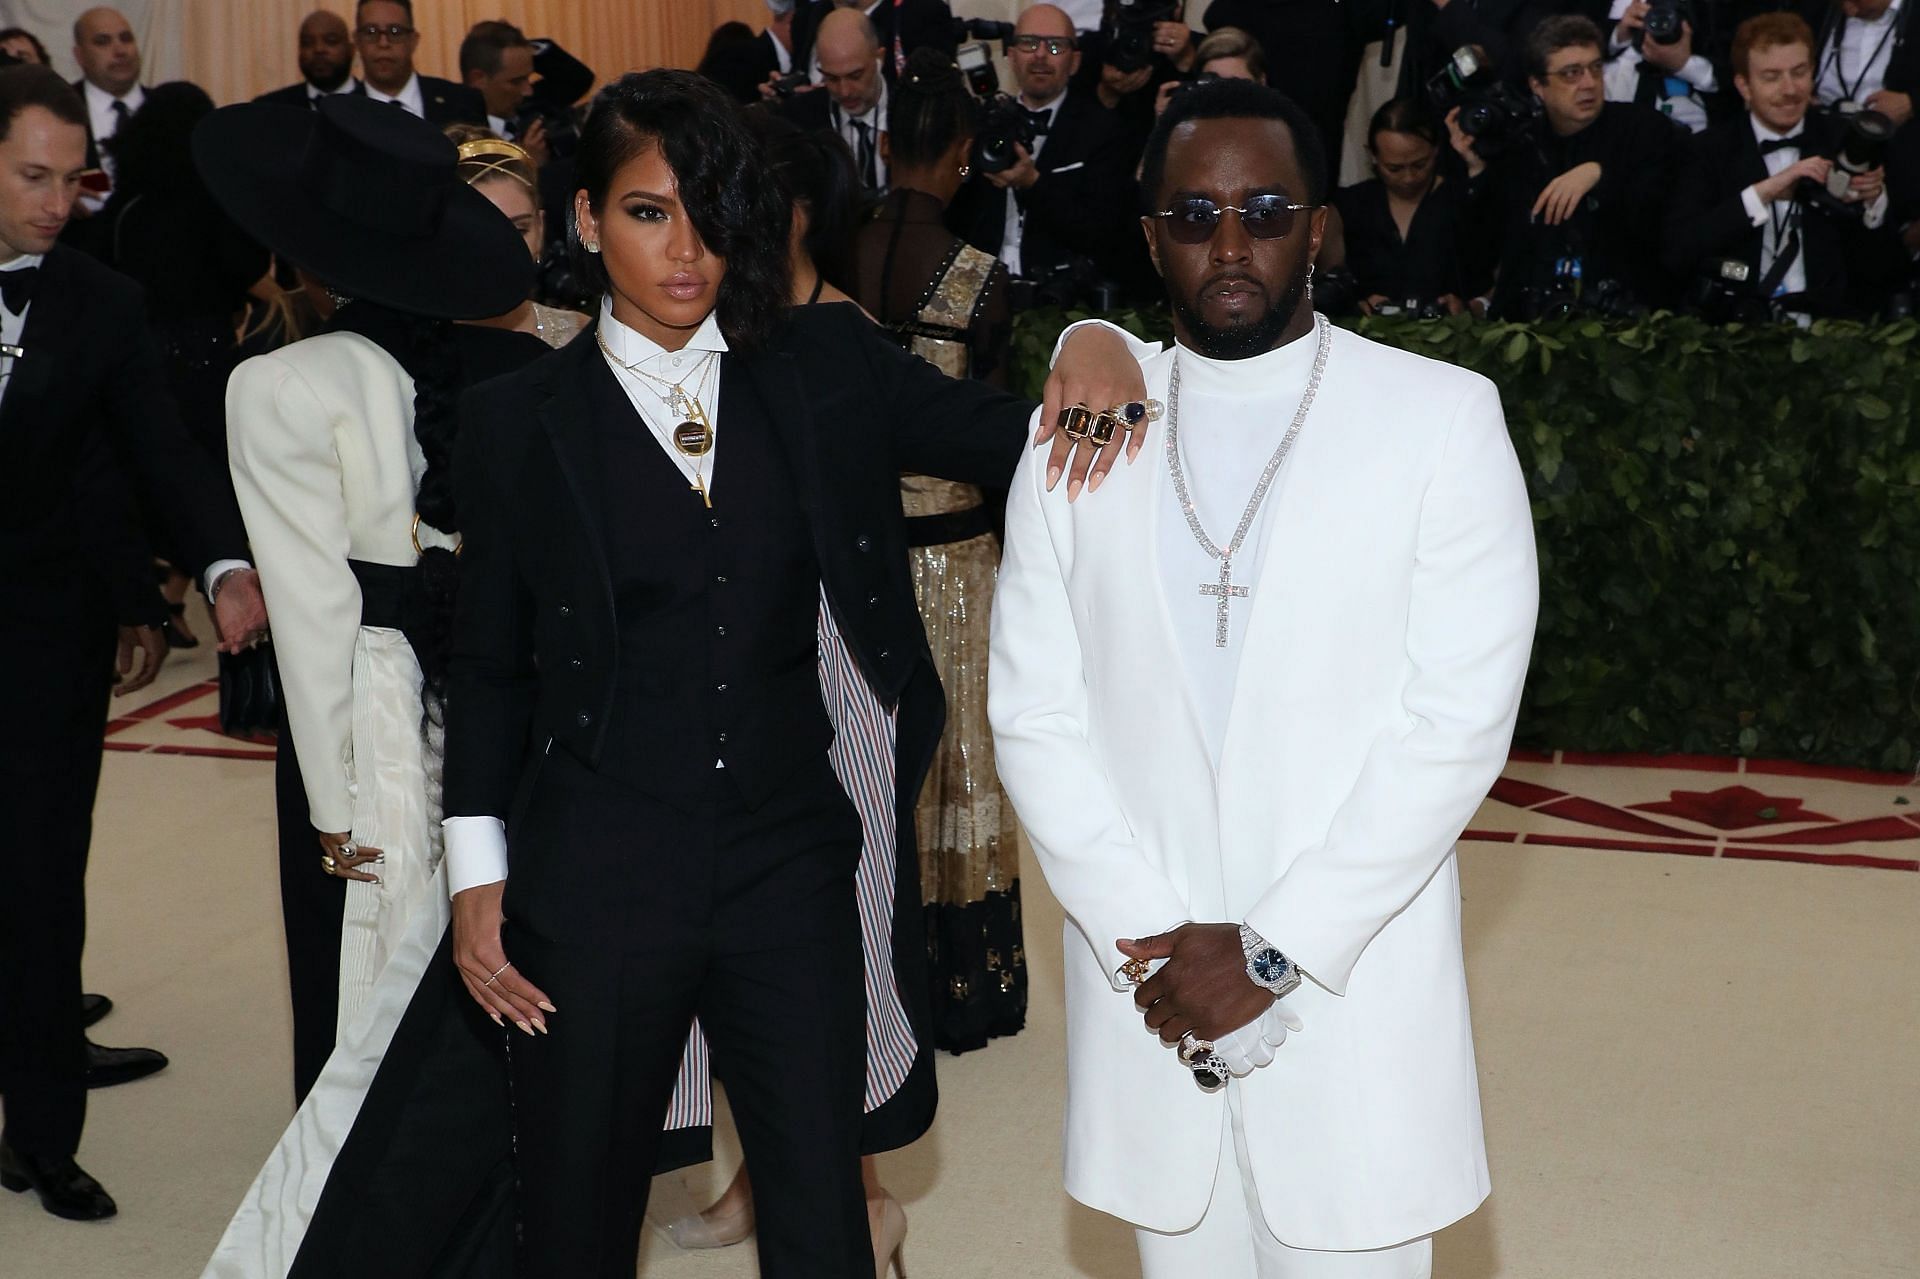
(494, 155)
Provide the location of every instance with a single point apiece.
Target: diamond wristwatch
(1267, 968)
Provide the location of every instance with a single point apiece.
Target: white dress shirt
(477, 845)
(782, 55)
(105, 122)
(1682, 98)
(314, 92)
(409, 96)
(12, 325)
(1016, 218)
(1775, 220)
(1853, 67)
(848, 127)
(1233, 414)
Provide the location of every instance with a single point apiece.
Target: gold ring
(1075, 421)
(1135, 970)
(1103, 429)
(415, 533)
(329, 865)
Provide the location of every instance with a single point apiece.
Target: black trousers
(52, 723)
(312, 904)
(636, 918)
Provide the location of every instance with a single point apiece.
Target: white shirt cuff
(1876, 212)
(1140, 350)
(476, 852)
(1698, 72)
(1755, 207)
(219, 569)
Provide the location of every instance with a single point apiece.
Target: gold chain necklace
(694, 435)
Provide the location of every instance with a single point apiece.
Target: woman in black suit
(1403, 226)
(691, 704)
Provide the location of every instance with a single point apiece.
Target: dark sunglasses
(1266, 217)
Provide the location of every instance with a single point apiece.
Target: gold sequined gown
(948, 303)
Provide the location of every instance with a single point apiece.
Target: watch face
(1269, 965)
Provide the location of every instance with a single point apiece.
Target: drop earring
(1309, 281)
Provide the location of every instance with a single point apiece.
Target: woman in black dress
(1403, 226)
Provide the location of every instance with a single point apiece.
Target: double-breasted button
(885, 653)
(864, 542)
(721, 578)
(873, 601)
(566, 610)
(723, 737)
(721, 631)
(719, 688)
(583, 718)
(576, 663)
(714, 520)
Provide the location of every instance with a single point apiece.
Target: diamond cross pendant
(1224, 593)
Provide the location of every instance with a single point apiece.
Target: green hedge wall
(1728, 523)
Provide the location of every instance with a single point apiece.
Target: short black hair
(29, 85)
(1233, 100)
(722, 173)
(1404, 115)
(816, 169)
(404, 4)
(1565, 31)
(487, 43)
(15, 33)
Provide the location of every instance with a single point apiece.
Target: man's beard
(331, 82)
(1246, 340)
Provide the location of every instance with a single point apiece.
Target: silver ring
(1193, 1049)
(496, 973)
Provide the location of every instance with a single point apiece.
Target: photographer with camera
(1651, 62)
(1865, 58)
(900, 27)
(1569, 197)
(1403, 227)
(1052, 184)
(1764, 217)
(853, 97)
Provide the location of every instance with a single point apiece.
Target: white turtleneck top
(1233, 414)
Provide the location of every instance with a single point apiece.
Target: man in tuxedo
(1065, 199)
(83, 409)
(1244, 769)
(326, 62)
(899, 29)
(109, 84)
(1865, 56)
(496, 61)
(1740, 196)
(852, 98)
(386, 38)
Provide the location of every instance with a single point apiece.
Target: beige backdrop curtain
(238, 48)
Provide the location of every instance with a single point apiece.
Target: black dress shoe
(93, 1008)
(109, 1066)
(65, 1188)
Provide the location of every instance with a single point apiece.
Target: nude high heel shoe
(889, 1238)
(697, 1230)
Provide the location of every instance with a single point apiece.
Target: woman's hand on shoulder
(1097, 372)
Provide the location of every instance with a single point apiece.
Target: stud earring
(594, 247)
(966, 170)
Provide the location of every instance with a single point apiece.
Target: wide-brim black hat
(368, 198)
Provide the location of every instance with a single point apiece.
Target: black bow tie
(1780, 144)
(16, 287)
(1039, 121)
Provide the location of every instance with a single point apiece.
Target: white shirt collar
(1282, 370)
(1052, 109)
(349, 85)
(630, 346)
(877, 116)
(409, 96)
(1764, 134)
(24, 261)
(101, 102)
(497, 123)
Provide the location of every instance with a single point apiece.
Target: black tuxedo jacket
(449, 103)
(296, 95)
(913, 24)
(1848, 267)
(1084, 204)
(1903, 67)
(535, 651)
(86, 421)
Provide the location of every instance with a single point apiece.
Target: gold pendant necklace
(693, 436)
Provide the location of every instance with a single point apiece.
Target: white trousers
(1233, 1241)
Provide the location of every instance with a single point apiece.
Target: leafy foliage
(1728, 521)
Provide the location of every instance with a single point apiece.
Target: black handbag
(249, 693)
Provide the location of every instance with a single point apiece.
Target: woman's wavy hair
(740, 213)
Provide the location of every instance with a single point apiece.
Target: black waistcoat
(717, 609)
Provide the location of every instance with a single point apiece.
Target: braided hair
(931, 109)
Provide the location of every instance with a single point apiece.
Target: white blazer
(325, 464)
(1386, 645)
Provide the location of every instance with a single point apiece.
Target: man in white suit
(1245, 767)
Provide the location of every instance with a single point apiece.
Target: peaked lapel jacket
(88, 421)
(449, 103)
(1378, 684)
(535, 646)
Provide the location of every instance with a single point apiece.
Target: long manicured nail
(1053, 477)
(497, 1020)
(523, 1026)
(1073, 489)
(540, 1026)
(1094, 483)
(546, 1007)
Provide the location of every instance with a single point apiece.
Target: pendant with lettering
(694, 439)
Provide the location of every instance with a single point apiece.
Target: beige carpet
(1693, 1067)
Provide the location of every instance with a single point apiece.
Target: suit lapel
(55, 312)
(583, 389)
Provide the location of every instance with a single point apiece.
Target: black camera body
(1412, 309)
(965, 29)
(791, 83)
(1727, 292)
(1492, 112)
(1128, 32)
(1665, 18)
(1003, 124)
